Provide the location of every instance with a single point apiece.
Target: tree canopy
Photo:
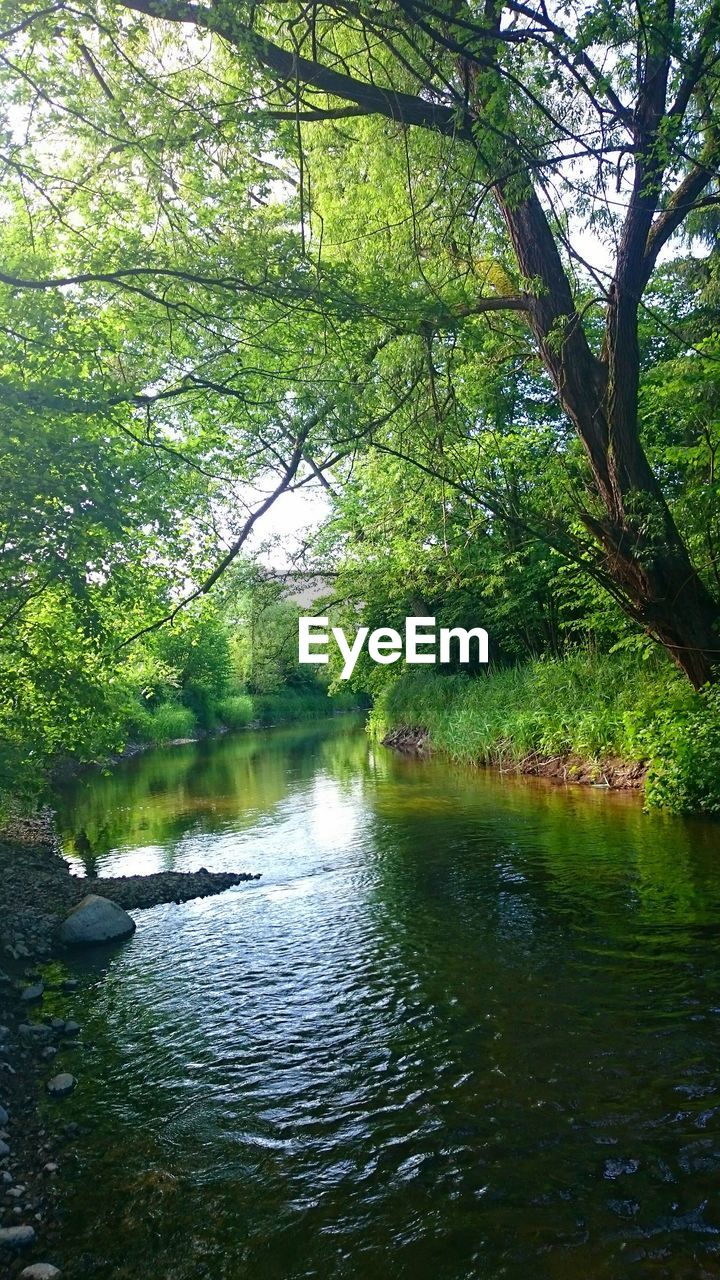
(453, 261)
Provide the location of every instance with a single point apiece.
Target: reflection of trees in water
(483, 972)
(581, 854)
(559, 857)
(158, 797)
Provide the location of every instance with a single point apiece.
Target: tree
(544, 122)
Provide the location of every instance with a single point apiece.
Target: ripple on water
(461, 1028)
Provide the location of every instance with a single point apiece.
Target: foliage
(682, 740)
(296, 704)
(584, 706)
(68, 695)
(301, 245)
(167, 723)
(236, 711)
(241, 260)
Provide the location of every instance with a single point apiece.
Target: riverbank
(616, 775)
(39, 1051)
(172, 722)
(63, 770)
(609, 720)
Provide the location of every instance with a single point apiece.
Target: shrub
(236, 712)
(683, 743)
(165, 723)
(292, 704)
(589, 705)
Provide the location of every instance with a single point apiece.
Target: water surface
(463, 1027)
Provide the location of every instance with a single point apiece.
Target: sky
(287, 524)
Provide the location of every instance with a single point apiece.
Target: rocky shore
(39, 1052)
(617, 775)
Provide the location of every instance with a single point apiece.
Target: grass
(171, 720)
(236, 712)
(297, 704)
(166, 723)
(586, 705)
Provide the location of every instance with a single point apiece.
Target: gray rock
(40, 1271)
(33, 993)
(4, 1117)
(4, 1149)
(96, 920)
(16, 1237)
(60, 1086)
(71, 1028)
(35, 1031)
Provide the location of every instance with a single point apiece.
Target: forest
(451, 268)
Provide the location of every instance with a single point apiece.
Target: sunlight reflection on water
(462, 1027)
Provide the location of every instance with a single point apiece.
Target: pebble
(16, 1237)
(6, 1177)
(71, 1028)
(16, 1192)
(4, 1117)
(35, 992)
(51, 1167)
(34, 1031)
(4, 1149)
(60, 1086)
(40, 1271)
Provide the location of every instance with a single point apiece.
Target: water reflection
(462, 1027)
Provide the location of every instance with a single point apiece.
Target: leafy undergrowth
(171, 720)
(590, 706)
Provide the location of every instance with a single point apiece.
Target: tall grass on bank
(585, 705)
(296, 704)
(170, 721)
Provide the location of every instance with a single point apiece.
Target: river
(464, 1026)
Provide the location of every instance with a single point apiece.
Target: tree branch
(680, 204)
(291, 67)
(209, 582)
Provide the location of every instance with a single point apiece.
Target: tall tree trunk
(645, 553)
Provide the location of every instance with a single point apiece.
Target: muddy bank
(41, 1053)
(616, 775)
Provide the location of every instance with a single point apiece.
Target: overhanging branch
(293, 69)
